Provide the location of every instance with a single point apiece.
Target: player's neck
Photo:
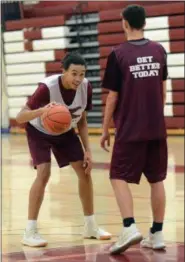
(64, 83)
(135, 35)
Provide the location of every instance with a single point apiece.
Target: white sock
(90, 220)
(31, 224)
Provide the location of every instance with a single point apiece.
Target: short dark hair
(73, 58)
(135, 15)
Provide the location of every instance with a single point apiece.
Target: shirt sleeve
(113, 76)
(40, 98)
(89, 97)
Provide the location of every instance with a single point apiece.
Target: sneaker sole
(125, 247)
(154, 248)
(100, 238)
(38, 245)
(159, 247)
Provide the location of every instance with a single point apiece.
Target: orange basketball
(56, 119)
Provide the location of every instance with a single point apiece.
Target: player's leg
(155, 171)
(123, 192)
(31, 236)
(85, 188)
(40, 153)
(37, 190)
(158, 203)
(69, 150)
(126, 167)
(91, 229)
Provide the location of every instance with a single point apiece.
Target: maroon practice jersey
(136, 70)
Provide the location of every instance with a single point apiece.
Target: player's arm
(109, 109)
(82, 124)
(165, 76)
(83, 132)
(164, 92)
(26, 114)
(35, 106)
(112, 82)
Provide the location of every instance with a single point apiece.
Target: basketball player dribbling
(136, 76)
(75, 93)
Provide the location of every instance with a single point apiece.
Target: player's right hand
(45, 108)
(105, 139)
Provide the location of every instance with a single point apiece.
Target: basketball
(56, 119)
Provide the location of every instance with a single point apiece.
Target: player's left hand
(87, 162)
(52, 104)
(105, 139)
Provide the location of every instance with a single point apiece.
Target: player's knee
(156, 184)
(83, 176)
(80, 170)
(43, 179)
(43, 173)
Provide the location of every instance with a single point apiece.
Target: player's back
(139, 114)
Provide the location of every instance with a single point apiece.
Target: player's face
(74, 75)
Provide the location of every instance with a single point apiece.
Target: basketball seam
(50, 127)
(57, 113)
(55, 121)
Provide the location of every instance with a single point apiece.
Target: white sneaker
(154, 241)
(95, 232)
(32, 238)
(128, 237)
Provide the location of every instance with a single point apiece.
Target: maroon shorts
(66, 147)
(131, 159)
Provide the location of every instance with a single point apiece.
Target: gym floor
(61, 217)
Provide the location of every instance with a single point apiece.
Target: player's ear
(123, 24)
(127, 26)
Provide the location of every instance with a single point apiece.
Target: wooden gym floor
(61, 218)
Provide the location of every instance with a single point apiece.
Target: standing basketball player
(74, 91)
(136, 76)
